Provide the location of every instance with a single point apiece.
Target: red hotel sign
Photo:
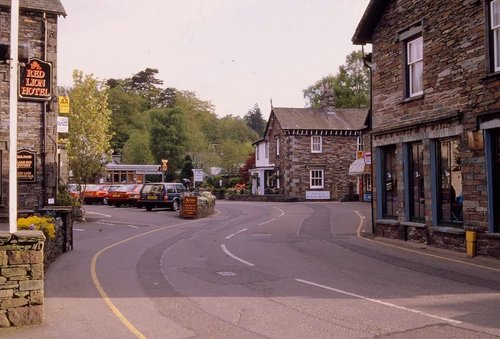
(36, 80)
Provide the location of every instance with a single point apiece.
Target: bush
(45, 224)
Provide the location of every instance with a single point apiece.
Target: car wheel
(138, 206)
(118, 205)
(149, 208)
(175, 205)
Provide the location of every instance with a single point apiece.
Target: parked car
(109, 190)
(162, 195)
(124, 195)
(94, 193)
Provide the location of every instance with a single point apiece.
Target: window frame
(319, 144)
(411, 65)
(277, 147)
(382, 207)
(313, 177)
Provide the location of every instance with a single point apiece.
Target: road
(260, 270)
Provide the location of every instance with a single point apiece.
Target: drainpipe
(44, 120)
(367, 63)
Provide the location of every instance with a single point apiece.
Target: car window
(170, 189)
(155, 189)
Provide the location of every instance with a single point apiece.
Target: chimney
(327, 98)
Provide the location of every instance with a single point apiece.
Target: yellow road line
(418, 252)
(100, 289)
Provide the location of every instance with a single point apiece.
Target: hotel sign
(35, 81)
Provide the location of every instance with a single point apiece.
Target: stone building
(436, 119)
(306, 153)
(37, 104)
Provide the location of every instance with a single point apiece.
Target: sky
(233, 53)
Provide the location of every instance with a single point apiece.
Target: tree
(168, 136)
(137, 149)
(88, 137)
(187, 168)
(245, 169)
(255, 121)
(233, 155)
(351, 85)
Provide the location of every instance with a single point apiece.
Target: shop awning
(358, 167)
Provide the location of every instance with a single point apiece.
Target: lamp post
(14, 42)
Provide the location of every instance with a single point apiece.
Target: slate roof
(344, 119)
(369, 21)
(49, 6)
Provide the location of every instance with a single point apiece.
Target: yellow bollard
(470, 237)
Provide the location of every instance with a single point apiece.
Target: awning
(358, 167)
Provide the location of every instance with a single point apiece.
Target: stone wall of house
(457, 88)
(21, 278)
(338, 154)
(32, 115)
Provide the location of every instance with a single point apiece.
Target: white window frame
(277, 147)
(317, 178)
(359, 143)
(415, 65)
(316, 144)
(495, 27)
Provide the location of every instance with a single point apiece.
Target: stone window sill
(387, 222)
(450, 230)
(413, 224)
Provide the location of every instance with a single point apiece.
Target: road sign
(63, 104)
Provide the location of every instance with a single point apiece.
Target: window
(359, 143)
(416, 184)
(415, 66)
(257, 152)
(495, 34)
(389, 184)
(277, 147)
(316, 178)
(449, 181)
(316, 144)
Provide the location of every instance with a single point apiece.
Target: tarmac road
(263, 270)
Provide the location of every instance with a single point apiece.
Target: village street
(260, 270)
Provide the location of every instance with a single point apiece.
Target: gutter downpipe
(367, 64)
(44, 105)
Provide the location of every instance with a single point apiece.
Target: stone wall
(21, 278)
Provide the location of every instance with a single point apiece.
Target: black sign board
(26, 166)
(35, 81)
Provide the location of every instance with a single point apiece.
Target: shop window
(389, 184)
(416, 182)
(449, 183)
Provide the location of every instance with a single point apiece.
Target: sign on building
(318, 195)
(26, 166)
(35, 81)
(63, 103)
(62, 125)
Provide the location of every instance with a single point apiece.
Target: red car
(124, 195)
(94, 193)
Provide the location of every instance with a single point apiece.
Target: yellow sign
(63, 104)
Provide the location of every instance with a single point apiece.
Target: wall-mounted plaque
(26, 166)
(35, 81)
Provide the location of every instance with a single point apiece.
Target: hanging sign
(26, 166)
(35, 81)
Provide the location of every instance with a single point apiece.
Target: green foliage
(187, 168)
(137, 149)
(64, 198)
(45, 224)
(255, 121)
(88, 137)
(351, 85)
(168, 136)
